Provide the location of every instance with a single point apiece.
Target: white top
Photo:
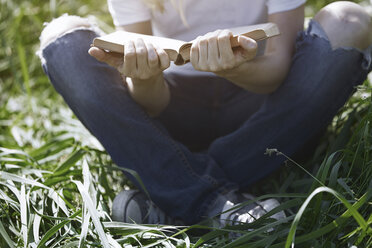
(202, 15)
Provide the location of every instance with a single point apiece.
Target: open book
(177, 50)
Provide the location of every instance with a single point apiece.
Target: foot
(133, 206)
(246, 213)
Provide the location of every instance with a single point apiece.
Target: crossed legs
(185, 184)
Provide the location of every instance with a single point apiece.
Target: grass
(57, 184)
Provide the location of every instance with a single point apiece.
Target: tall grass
(57, 184)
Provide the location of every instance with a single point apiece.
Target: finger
(224, 45)
(152, 56)
(130, 59)
(249, 47)
(141, 52)
(97, 53)
(163, 58)
(194, 53)
(203, 53)
(213, 50)
(110, 58)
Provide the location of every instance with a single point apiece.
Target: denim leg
(179, 182)
(195, 115)
(319, 83)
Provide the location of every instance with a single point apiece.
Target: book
(177, 50)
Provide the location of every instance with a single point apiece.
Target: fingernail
(252, 45)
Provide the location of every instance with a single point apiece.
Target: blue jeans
(212, 137)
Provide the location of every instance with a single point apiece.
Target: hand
(212, 52)
(141, 60)
(144, 64)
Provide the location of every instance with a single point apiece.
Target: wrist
(152, 94)
(230, 73)
(148, 83)
(155, 85)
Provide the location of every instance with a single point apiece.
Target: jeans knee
(62, 25)
(346, 24)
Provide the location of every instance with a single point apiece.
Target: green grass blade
(84, 228)
(334, 174)
(344, 185)
(137, 177)
(24, 223)
(36, 227)
(71, 161)
(55, 229)
(330, 227)
(52, 147)
(248, 236)
(23, 62)
(93, 213)
(51, 232)
(113, 242)
(209, 236)
(8, 200)
(8, 176)
(354, 213)
(5, 235)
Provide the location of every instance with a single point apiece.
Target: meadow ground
(57, 184)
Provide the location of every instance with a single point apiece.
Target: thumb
(112, 59)
(249, 46)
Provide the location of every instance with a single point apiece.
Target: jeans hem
(41, 49)
(316, 30)
(212, 199)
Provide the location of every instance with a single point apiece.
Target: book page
(257, 32)
(179, 51)
(121, 37)
(250, 28)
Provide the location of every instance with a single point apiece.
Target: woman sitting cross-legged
(196, 134)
